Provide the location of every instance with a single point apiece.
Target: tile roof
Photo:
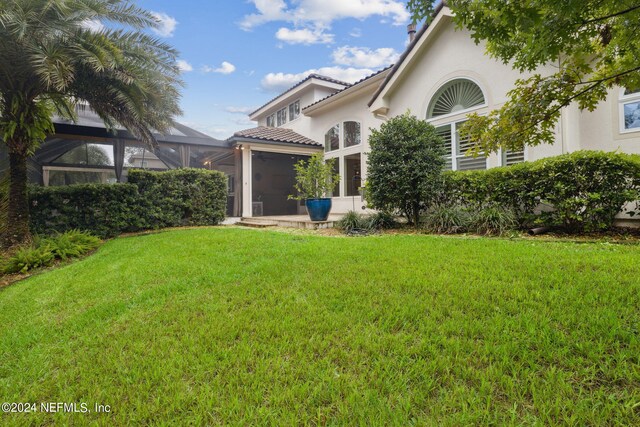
(270, 134)
(350, 86)
(309, 77)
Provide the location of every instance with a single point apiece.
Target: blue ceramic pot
(318, 209)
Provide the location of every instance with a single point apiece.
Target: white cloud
(318, 13)
(239, 110)
(356, 33)
(304, 36)
(93, 25)
(166, 24)
(213, 130)
(184, 66)
(268, 11)
(364, 57)
(225, 68)
(277, 82)
(244, 122)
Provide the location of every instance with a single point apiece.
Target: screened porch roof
(89, 124)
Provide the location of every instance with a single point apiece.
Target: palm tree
(55, 54)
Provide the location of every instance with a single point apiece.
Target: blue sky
(238, 54)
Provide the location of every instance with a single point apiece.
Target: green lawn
(231, 326)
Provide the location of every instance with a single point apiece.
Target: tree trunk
(416, 213)
(18, 216)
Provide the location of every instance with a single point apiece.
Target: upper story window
(352, 134)
(332, 138)
(294, 110)
(630, 111)
(281, 116)
(271, 120)
(349, 132)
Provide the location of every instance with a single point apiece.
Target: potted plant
(315, 180)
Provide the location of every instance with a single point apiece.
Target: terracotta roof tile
(350, 86)
(309, 77)
(271, 134)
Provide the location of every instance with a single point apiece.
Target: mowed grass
(243, 327)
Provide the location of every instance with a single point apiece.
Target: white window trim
(457, 113)
(343, 151)
(274, 120)
(503, 160)
(352, 149)
(299, 112)
(343, 145)
(285, 116)
(622, 101)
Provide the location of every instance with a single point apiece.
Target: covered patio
(267, 157)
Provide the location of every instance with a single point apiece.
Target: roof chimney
(411, 30)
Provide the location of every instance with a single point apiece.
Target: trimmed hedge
(182, 196)
(105, 210)
(581, 191)
(150, 200)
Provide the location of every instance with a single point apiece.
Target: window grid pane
(513, 157)
(332, 139)
(352, 135)
(294, 110)
(465, 162)
(282, 117)
(445, 133)
(632, 115)
(353, 177)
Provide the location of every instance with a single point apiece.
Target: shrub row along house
(441, 77)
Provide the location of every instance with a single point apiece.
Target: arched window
(332, 139)
(455, 96)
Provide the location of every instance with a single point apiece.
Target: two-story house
(441, 77)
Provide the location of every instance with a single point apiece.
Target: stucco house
(442, 76)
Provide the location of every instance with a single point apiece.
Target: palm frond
(127, 76)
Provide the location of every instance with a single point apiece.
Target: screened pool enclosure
(86, 152)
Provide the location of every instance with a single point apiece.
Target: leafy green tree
(405, 166)
(593, 45)
(51, 59)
